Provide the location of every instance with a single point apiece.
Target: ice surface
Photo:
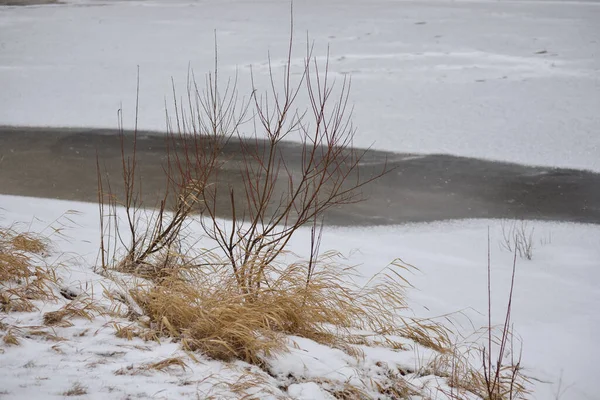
(506, 80)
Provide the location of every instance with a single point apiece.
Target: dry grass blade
(134, 330)
(49, 336)
(167, 363)
(78, 308)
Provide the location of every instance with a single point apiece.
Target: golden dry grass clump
(16, 250)
(78, 308)
(76, 390)
(209, 311)
(21, 281)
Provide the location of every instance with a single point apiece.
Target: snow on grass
(89, 352)
(505, 80)
(553, 313)
(555, 296)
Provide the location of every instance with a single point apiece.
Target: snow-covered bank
(506, 80)
(553, 311)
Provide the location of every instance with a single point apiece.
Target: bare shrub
(152, 232)
(237, 299)
(241, 292)
(499, 376)
(502, 380)
(517, 237)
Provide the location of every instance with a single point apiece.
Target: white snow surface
(554, 312)
(513, 80)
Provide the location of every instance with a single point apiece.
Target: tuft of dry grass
(349, 392)
(207, 311)
(21, 281)
(134, 330)
(167, 363)
(76, 390)
(251, 383)
(29, 243)
(392, 383)
(217, 322)
(10, 338)
(79, 308)
(125, 332)
(49, 336)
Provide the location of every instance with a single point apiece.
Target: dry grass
(391, 387)
(76, 390)
(167, 364)
(508, 388)
(10, 338)
(465, 379)
(345, 391)
(49, 336)
(29, 243)
(207, 311)
(134, 330)
(21, 281)
(251, 383)
(16, 251)
(126, 332)
(79, 308)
